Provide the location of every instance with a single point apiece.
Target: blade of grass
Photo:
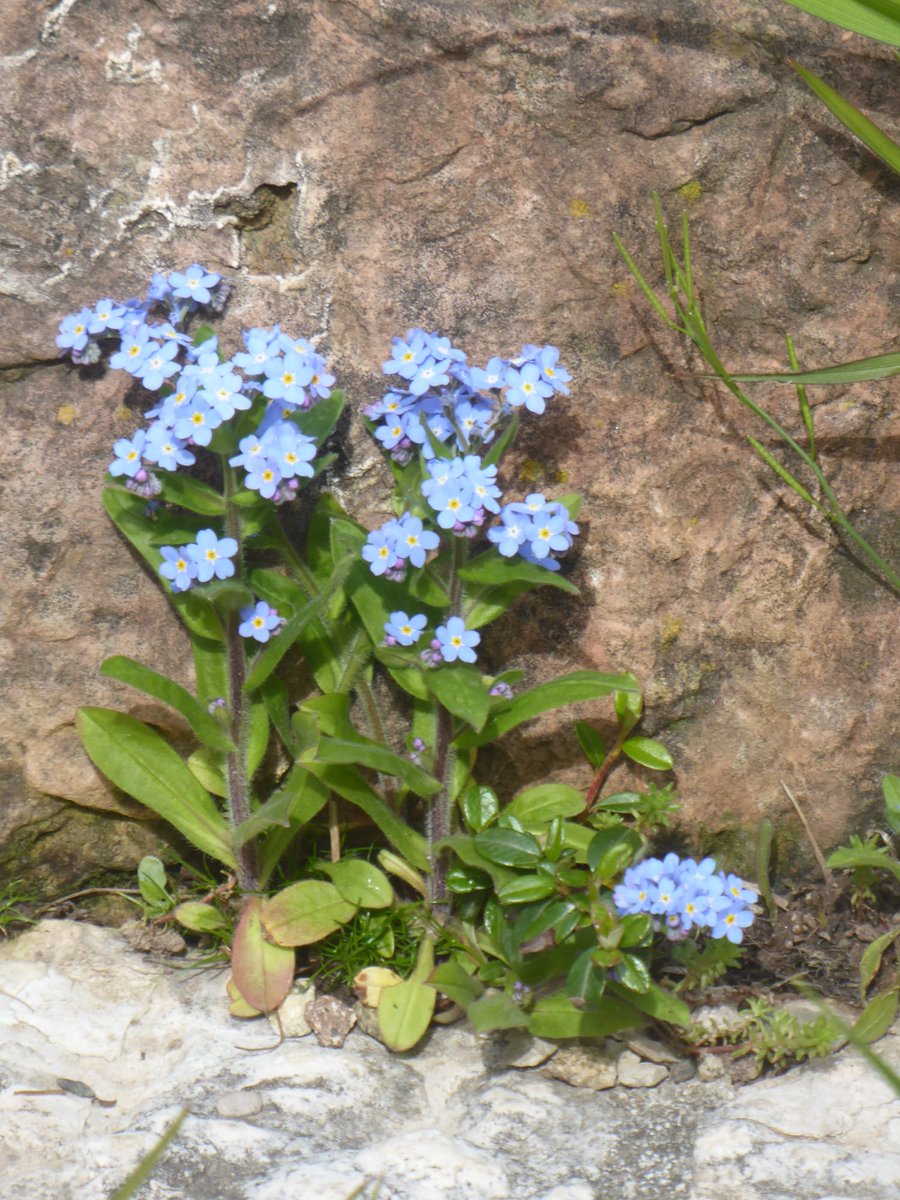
(803, 400)
(878, 19)
(849, 115)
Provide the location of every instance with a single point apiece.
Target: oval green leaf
(305, 913)
(360, 883)
(508, 847)
(404, 1013)
(649, 753)
(262, 973)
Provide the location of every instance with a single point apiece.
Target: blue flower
(134, 348)
(731, 923)
(551, 370)
(511, 535)
(380, 552)
(456, 642)
(286, 378)
(222, 391)
(128, 455)
(403, 629)
(178, 567)
(193, 284)
(154, 369)
(198, 422)
(526, 387)
(165, 449)
(412, 541)
(106, 315)
(259, 621)
(74, 331)
(212, 555)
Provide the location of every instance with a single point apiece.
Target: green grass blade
(867, 131)
(782, 472)
(859, 370)
(879, 19)
(145, 1167)
(803, 400)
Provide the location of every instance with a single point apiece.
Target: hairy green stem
(236, 771)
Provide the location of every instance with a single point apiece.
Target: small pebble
(235, 1105)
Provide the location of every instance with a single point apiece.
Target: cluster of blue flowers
(197, 390)
(197, 393)
(682, 894)
(458, 404)
(444, 400)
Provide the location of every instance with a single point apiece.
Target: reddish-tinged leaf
(261, 971)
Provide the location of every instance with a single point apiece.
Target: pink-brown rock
(360, 168)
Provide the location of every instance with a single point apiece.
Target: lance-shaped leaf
(879, 19)
(492, 568)
(295, 802)
(143, 765)
(318, 421)
(451, 979)
(136, 675)
(348, 782)
(656, 1002)
(361, 752)
(859, 370)
(461, 690)
(305, 913)
(556, 1017)
(405, 1011)
(876, 1018)
(179, 488)
(498, 1011)
(262, 972)
(568, 689)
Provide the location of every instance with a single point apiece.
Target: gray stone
(234, 1105)
(633, 1072)
(586, 1066)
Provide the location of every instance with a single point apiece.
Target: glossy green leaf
(611, 849)
(878, 19)
(649, 753)
(262, 972)
(319, 419)
(462, 881)
(555, 1017)
(591, 743)
(558, 693)
(498, 1011)
(536, 806)
(136, 675)
(876, 1018)
(479, 806)
(305, 913)
(465, 850)
(585, 979)
(143, 765)
(507, 847)
(151, 878)
(633, 973)
(359, 882)
(526, 888)
(461, 689)
(561, 916)
(179, 488)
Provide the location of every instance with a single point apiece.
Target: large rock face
(360, 168)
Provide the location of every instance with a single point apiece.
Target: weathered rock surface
(360, 168)
(269, 1120)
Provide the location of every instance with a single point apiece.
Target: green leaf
(498, 1011)
(141, 764)
(880, 366)
(611, 849)
(136, 675)
(649, 753)
(148, 1163)
(658, 1003)
(347, 782)
(867, 131)
(262, 973)
(555, 1017)
(591, 743)
(364, 753)
(584, 979)
(451, 979)
(851, 857)
(305, 913)
(526, 888)
(492, 568)
(557, 693)
(461, 690)
(508, 847)
(499, 447)
(537, 806)
(876, 1018)
(633, 973)
(271, 654)
(179, 488)
(479, 806)
(463, 847)
(870, 963)
(208, 768)
(404, 1014)
(559, 915)
(462, 881)
(891, 787)
(151, 877)
(878, 19)
(320, 419)
(360, 882)
(200, 918)
(298, 799)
